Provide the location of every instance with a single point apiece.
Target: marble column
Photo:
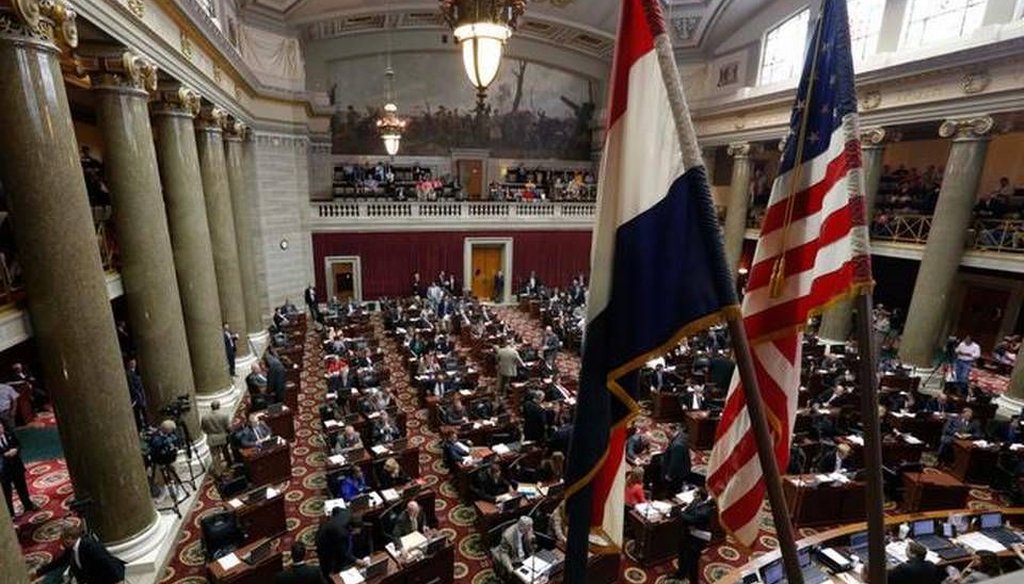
(219, 213)
(929, 306)
(64, 280)
(837, 322)
(259, 257)
(241, 203)
(1016, 389)
(178, 160)
(15, 570)
(121, 85)
(739, 198)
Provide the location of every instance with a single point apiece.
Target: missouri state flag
(658, 270)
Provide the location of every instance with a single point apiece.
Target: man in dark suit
(230, 348)
(275, 376)
(334, 543)
(137, 394)
(534, 419)
(254, 433)
(410, 520)
(835, 459)
(676, 462)
(12, 471)
(499, 287)
(489, 484)
(916, 570)
(696, 520)
(311, 303)
(89, 561)
(963, 426)
(300, 572)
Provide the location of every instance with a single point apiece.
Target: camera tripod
(172, 481)
(185, 437)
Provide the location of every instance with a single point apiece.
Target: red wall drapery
(389, 259)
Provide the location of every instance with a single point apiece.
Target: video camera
(177, 408)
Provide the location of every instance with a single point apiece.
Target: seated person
(354, 484)
(826, 398)
(916, 570)
(635, 488)
(637, 446)
(558, 524)
(960, 427)
(88, 559)
(385, 431)
(256, 379)
(375, 401)
(452, 451)
(347, 439)
(455, 413)
(427, 365)
(392, 475)
(552, 391)
(836, 459)
(552, 468)
(409, 520)
(260, 399)
(518, 542)
(490, 483)
(254, 433)
(440, 385)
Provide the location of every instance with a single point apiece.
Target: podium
(931, 491)
(269, 464)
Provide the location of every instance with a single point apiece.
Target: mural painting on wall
(532, 111)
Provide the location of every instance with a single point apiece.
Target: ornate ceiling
(587, 26)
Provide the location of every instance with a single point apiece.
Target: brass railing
(902, 228)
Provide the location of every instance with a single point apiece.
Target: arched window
(930, 21)
(783, 51)
(865, 24)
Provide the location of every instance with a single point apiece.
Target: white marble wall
(282, 180)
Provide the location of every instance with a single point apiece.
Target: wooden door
(344, 281)
(981, 314)
(486, 262)
(471, 175)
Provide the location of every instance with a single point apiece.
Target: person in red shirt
(635, 489)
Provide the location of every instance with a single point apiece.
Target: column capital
(177, 100)
(965, 129)
(739, 149)
(235, 130)
(211, 119)
(877, 136)
(126, 72)
(48, 23)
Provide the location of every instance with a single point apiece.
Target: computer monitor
(399, 445)
(435, 545)
(359, 503)
(509, 505)
(256, 496)
(259, 552)
(376, 568)
(859, 539)
(924, 527)
(772, 572)
(805, 557)
(990, 520)
(948, 530)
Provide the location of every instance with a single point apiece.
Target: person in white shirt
(967, 352)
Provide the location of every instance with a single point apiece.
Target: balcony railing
(902, 228)
(367, 213)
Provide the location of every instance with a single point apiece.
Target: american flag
(812, 251)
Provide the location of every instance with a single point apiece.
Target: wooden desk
(701, 426)
(927, 428)
(974, 464)
(427, 502)
(488, 515)
(394, 574)
(268, 465)
(928, 491)
(408, 459)
(894, 451)
(262, 519)
(262, 572)
(654, 541)
(436, 569)
(813, 503)
(665, 407)
(282, 423)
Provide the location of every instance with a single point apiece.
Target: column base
(259, 342)
(202, 458)
(228, 397)
(1009, 406)
(243, 365)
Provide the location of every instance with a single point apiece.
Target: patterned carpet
(51, 488)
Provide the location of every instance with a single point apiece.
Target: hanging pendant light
(482, 27)
(390, 127)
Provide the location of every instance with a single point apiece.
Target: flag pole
(875, 502)
(741, 346)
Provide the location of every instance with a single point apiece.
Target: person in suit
(217, 425)
(440, 386)
(385, 431)
(354, 484)
(550, 345)
(12, 471)
(256, 379)
(452, 451)
(916, 570)
(488, 485)
(275, 376)
(24, 375)
(347, 438)
(334, 543)
(676, 462)
(417, 286)
(456, 413)
(409, 520)
(230, 348)
(836, 459)
(534, 419)
(962, 426)
(532, 284)
(136, 393)
(392, 475)
(90, 562)
(797, 460)
(300, 572)
(695, 520)
(509, 363)
(499, 287)
(517, 543)
(254, 433)
(636, 445)
(311, 302)
(561, 438)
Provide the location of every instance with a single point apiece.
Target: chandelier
(390, 126)
(482, 27)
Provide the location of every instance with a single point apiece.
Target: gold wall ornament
(972, 128)
(975, 81)
(186, 45)
(137, 8)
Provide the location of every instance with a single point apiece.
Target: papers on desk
(855, 439)
(533, 569)
(898, 550)
(500, 449)
(336, 459)
(375, 499)
(352, 576)
(331, 395)
(466, 392)
(911, 439)
(373, 415)
(503, 497)
(1016, 446)
(229, 561)
(390, 495)
(380, 449)
(529, 490)
(902, 414)
(235, 503)
(653, 510)
(331, 504)
(331, 423)
(686, 497)
(414, 540)
(598, 540)
(272, 492)
(978, 541)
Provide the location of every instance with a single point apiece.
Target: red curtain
(389, 259)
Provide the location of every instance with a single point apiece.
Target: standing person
(334, 543)
(509, 362)
(89, 560)
(217, 425)
(300, 572)
(695, 520)
(311, 303)
(276, 376)
(967, 352)
(8, 405)
(499, 287)
(551, 345)
(137, 394)
(12, 470)
(676, 461)
(230, 348)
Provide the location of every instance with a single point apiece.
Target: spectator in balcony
(1006, 350)
(991, 206)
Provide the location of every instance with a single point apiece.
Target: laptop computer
(376, 568)
(359, 503)
(991, 525)
(258, 553)
(435, 545)
(772, 572)
(812, 574)
(399, 445)
(923, 532)
(257, 496)
(510, 505)
(859, 547)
